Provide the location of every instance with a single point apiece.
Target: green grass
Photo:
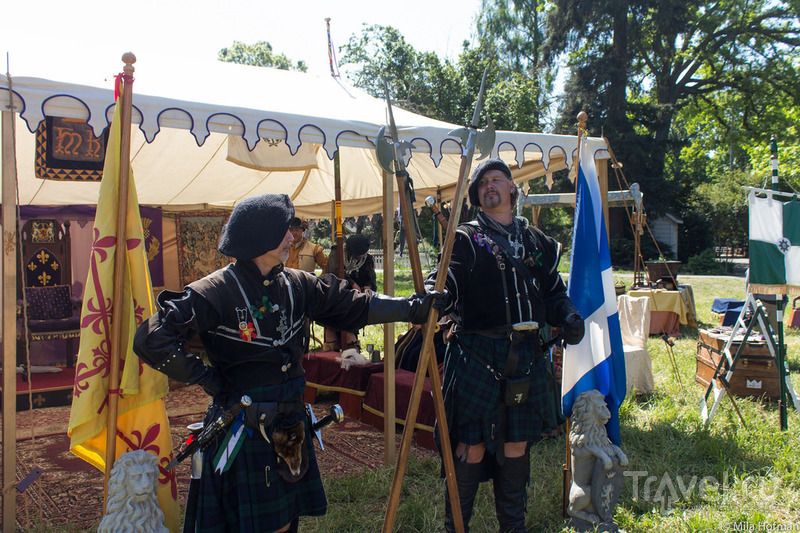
(752, 473)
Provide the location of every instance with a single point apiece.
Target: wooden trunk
(755, 374)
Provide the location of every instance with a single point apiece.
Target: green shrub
(704, 263)
(622, 251)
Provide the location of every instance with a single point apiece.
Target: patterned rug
(69, 490)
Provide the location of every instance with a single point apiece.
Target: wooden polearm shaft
(409, 224)
(120, 264)
(389, 451)
(429, 329)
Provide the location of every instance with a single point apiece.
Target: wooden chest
(756, 373)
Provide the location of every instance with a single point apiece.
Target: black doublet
(249, 343)
(251, 332)
(490, 292)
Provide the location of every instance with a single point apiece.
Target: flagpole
(780, 305)
(120, 262)
(582, 117)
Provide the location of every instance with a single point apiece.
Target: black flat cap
(480, 170)
(357, 244)
(257, 225)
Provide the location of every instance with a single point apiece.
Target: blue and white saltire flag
(598, 362)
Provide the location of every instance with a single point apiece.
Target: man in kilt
(249, 317)
(502, 284)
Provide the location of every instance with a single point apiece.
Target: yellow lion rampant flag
(142, 422)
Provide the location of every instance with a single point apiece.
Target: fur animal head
(132, 495)
(351, 357)
(289, 445)
(589, 416)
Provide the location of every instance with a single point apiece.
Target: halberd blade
(484, 142)
(385, 151)
(461, 133)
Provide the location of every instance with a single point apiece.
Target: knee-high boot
(511, 492)
(468, 479)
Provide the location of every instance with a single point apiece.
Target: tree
(259, 54)
(516, 30)
(664, 55)
(421, 83)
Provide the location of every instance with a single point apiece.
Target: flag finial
(129, 59)
(582, 118)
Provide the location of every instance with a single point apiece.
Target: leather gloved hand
(443, 301)
(573, 328)
(421, 304)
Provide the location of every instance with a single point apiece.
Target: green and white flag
(774, 245)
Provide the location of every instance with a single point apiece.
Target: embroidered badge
(494, 248)
(246, 328)
(533, 259)
(261, 310)
(247, 331)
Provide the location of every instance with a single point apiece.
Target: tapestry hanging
(197, 238)
(67, 150)
(153, 243)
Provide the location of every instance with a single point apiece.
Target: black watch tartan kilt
(472, 394)
(251, 496)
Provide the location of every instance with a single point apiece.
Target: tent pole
(120, 263)
(9, 198)
(337, 213)
(389, 446)
(602, 177)
(337, 188)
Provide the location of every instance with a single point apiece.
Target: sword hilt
(336, 415)
(430, 201)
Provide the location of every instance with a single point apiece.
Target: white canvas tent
(186, 115)
(179, 150)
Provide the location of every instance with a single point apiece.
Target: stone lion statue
(597, 464)
(132, 504)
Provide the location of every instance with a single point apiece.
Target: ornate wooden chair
(45, 291)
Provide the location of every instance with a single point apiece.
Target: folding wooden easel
(753, 314)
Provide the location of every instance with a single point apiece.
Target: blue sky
(57, 34)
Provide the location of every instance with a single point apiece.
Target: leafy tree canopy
(259, 54)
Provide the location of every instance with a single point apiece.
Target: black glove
(573, 328)
(413, 309)
(443, 301)
(421, 304)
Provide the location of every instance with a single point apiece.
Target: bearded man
(502, 284)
